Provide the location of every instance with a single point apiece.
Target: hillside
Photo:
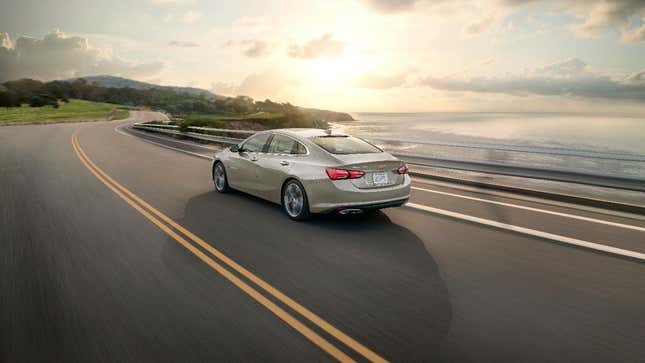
(329, 116)
(119, 82)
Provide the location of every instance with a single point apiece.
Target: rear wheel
(294, 201)
(219, 178)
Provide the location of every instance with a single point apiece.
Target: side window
(256, 143)
(283, 145)
(299, 149)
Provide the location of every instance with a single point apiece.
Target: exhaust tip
(350, 211)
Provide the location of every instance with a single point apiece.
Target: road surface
(116, 249)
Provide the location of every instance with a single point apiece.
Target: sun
(334, 71)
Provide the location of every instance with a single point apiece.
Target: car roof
(306, 133)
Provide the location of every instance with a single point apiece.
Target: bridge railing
(547, 163)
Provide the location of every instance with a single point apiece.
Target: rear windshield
(338, 144)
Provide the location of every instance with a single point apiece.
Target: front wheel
(294, 201)
(219, 178)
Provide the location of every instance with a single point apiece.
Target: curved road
(115, 249)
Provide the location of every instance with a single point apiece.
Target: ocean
(500, 135)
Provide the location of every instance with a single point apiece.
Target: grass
(75, 110)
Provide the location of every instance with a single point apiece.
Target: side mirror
(235, 148)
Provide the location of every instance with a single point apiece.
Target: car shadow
(370, 277)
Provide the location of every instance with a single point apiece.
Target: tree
(23, 89)
(6, 99)
(43, 100)
(243, 105)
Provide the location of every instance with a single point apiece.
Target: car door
(277, 164)
(243, 167)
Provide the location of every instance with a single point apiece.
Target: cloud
(569, 69)
(636, 78)
(568, 78)
(489, 13)
(636, 35)
(481, 25)
(256, 48)
(183, 44)
(260, 85)
(323, 47)
(390, 6)
(250, 48)
(58, 56)
(596, 16)
(378, 81)
(494, 12)
(600, 16)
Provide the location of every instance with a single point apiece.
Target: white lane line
(532, 232)
(545, 211)
(524, 198)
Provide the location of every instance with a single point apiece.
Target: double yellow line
(182, 235)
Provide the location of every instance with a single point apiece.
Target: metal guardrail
(510, 169)
(553, 174)
(523, 149)
(174, 130)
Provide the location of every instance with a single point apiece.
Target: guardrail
(511, 169)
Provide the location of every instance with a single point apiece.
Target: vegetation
(289, 117)
(119, 82)
(74, 110)
(194, 109)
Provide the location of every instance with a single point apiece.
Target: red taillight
(339, 174)
(403, 169)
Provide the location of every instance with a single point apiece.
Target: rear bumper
(327, 196)
(373, 206)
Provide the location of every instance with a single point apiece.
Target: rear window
(338, 144)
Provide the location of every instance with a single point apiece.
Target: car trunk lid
(380, 169)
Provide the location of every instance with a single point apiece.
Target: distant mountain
(119, 82)
(329, 116)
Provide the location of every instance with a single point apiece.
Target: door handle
(254, 158)
(284, 163)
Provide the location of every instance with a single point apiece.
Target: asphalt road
(85, 276)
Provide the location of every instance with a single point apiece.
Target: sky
(349, 55)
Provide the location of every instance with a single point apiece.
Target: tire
(220, 180)
(294, 201)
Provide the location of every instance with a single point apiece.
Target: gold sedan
(313, 171)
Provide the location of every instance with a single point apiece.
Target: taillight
(339, 174)
(403, 169)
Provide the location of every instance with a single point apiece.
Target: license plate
(379, 178)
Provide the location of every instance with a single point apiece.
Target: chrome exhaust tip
(350, 211)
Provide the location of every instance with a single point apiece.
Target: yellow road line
(325, 345)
